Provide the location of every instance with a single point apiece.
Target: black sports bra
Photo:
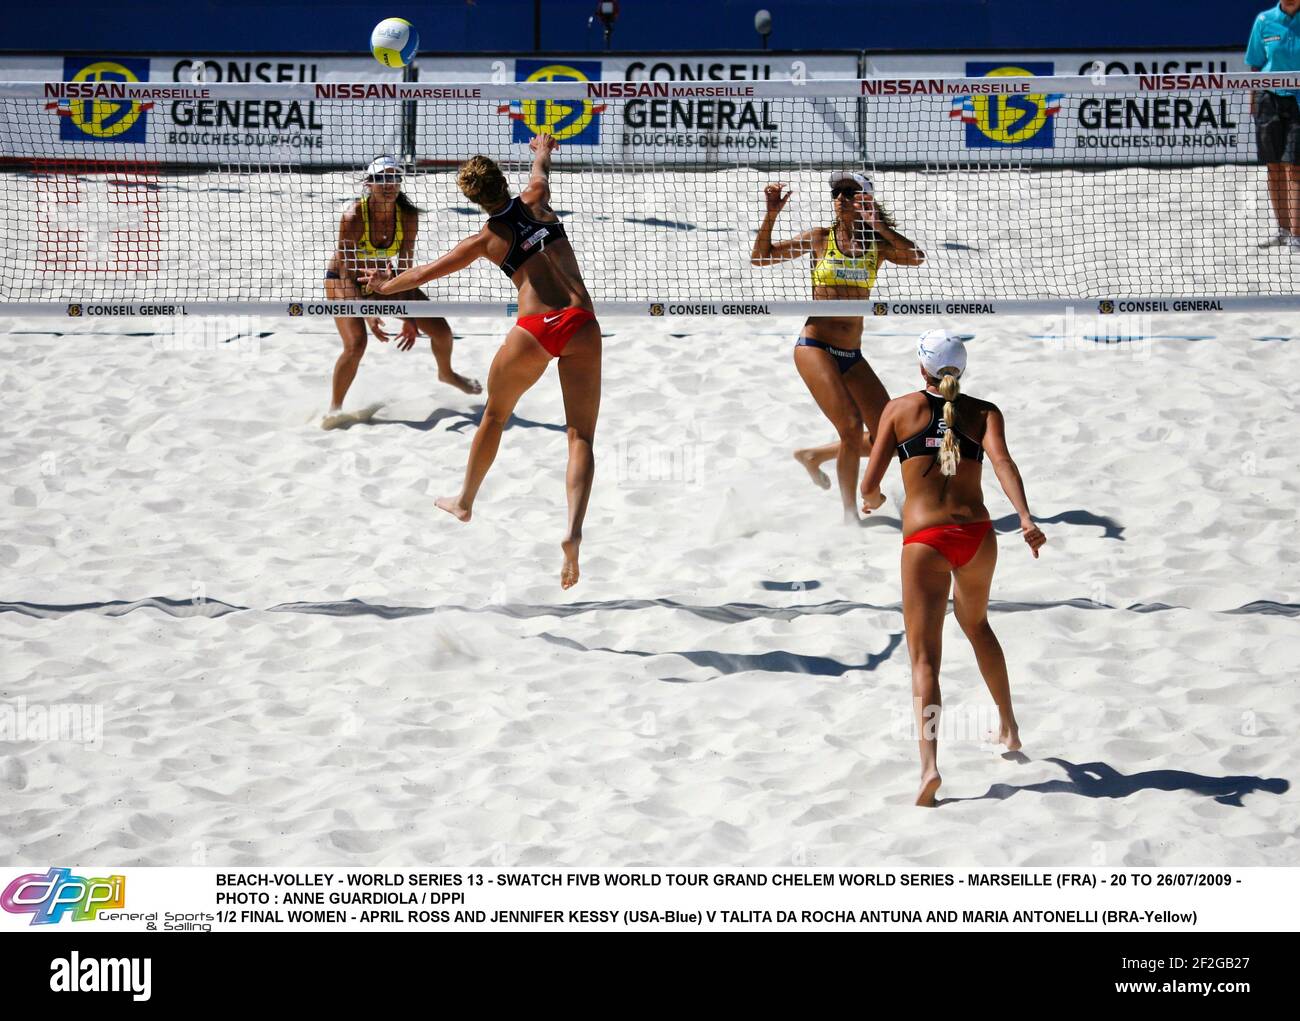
(930, 439)
(529, 236)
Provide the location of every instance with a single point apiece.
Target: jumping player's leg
(824, 382)
(517, 366)
(926, 579)
(870, 396)
(971, 606)
(580, 383)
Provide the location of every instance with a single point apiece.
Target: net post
(410, 116)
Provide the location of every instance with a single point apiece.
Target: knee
(976, 628)
(354, 349)
(578, 436)
(925, 668)
(850, 430)
(496, 416)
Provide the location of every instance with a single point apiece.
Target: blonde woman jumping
(525, 238)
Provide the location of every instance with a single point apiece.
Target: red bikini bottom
(956, 542)
(553, 330)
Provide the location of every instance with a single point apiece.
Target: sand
(296, 659)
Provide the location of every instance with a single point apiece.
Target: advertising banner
(1060, 128)
(184, 130)
(628, 123)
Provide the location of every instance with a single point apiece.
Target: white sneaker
(1292, 242)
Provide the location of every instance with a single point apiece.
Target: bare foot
(929, 787)
(453, 506)
(462, 383)
(1007, 734)
(872, 501)
(569, 572)
(336, 418)
(851, 519)
(819, 477)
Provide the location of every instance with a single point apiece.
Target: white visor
(848, 177)
(383, 166)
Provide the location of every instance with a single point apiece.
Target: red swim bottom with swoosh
(555, 329)
(956, 542)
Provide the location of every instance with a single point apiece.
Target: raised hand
(775, 197)
(543, 141)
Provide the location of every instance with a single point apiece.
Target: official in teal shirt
(1275, 46)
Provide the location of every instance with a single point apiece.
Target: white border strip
(908, 308)
(808, 89)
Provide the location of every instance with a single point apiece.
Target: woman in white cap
(844, 261)
(375, 229)
(941, 436)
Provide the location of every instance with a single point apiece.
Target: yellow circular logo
(104, 118)
(1010, 119)
(562, 119)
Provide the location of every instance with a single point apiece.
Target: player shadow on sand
(1098, 780)
(1110, 528)
(467, 418)
(775, 661)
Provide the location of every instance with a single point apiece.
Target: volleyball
(394, 42)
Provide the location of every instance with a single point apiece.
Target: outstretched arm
(767, 252)
(538, 189)
(995, 445)
(883, 442)
(457, 259)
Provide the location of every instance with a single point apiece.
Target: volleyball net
(1000, 181)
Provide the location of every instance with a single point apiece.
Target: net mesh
(1000, 192)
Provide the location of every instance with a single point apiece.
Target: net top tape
(812, 88)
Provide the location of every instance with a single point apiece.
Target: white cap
(939, 350)
(849, 177)
(384, 165)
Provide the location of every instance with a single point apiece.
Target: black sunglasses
(385, 178)
(845, 189)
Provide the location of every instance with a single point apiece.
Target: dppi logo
(103, 120)
(1000, 122)
(573, 121)
(47, 898)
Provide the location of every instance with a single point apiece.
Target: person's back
(517, 232)
(934, 498)
(941, 437)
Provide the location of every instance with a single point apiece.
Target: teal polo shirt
(1275, 44)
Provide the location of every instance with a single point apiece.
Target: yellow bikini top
(838, 270)
(366, 248)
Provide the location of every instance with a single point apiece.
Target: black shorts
(1277, 128)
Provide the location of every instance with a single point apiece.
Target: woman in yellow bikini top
(836, 270)
(366, 247)
(846, 259)
(378, 231)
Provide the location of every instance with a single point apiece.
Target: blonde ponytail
(950, 452)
